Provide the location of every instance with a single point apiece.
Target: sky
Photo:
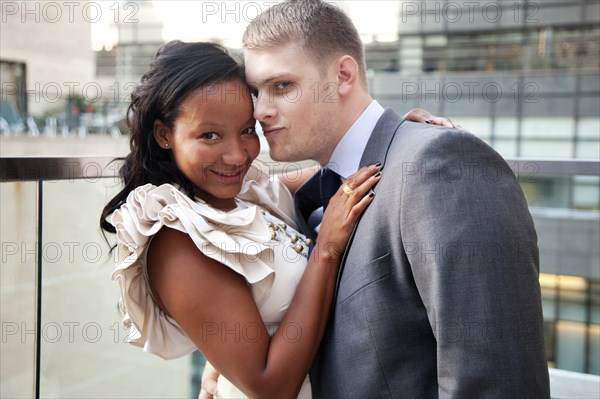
(226, 20)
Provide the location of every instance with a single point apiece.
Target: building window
(538, 48)
(571, 322)
(13, 94)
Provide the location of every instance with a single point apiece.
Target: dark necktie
(311, 197)
(330, 182)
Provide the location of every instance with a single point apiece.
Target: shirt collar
(346, 157)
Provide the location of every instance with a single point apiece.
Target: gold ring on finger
(347, 190)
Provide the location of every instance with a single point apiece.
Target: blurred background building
(120, 66)
(522, 75)
(44, 61)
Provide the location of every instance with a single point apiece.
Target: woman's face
(213, 141)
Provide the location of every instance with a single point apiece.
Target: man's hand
(209, 388)
(424, 116)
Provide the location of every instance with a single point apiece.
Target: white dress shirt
(345, 159)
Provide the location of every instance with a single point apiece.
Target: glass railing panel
(84, 353)
(566, 210)
(595, 350)
(572, 337)
(18, 238)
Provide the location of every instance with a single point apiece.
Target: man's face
(296, 102)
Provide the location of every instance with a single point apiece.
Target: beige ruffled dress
(259, 240)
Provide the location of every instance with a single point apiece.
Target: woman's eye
(249, 130)
(209, 136)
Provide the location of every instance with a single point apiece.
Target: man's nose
(264, 108)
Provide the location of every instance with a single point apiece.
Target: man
(438, 293)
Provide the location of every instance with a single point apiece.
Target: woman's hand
(424, 116)
(209, 388)
(344, 210)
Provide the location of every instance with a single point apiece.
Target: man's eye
(209, 136)
(283, 85)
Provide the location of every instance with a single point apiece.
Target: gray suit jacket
(438, 293)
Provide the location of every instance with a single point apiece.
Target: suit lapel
(376, 151)
(381, 138)
(308, 198)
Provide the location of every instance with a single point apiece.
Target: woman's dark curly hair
(176, 70)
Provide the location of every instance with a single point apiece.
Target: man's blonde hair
(321, 29)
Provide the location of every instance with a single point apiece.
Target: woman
(201, 267)
(209, 254)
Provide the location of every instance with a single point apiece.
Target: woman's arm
(215, 307)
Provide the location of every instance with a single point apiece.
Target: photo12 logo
(68, 11)
(54, 92)
(452, 92)
(55, 332)
(469, 11)
(233, 11)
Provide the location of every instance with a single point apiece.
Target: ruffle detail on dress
(269, 192)
(236, 239)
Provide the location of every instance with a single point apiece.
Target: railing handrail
(58, 168)
(93, 167)
(561, 167)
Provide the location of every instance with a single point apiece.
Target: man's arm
(474, 258)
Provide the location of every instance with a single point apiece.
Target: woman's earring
(166, 145)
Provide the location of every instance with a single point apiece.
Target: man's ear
(347, 71)
(162, 134)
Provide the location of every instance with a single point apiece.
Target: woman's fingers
(357, 179)
(418, 115)
(364, 192)
(344, 209)
(209, 387)
(422, 115)
(356, 192)
(359, 208)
